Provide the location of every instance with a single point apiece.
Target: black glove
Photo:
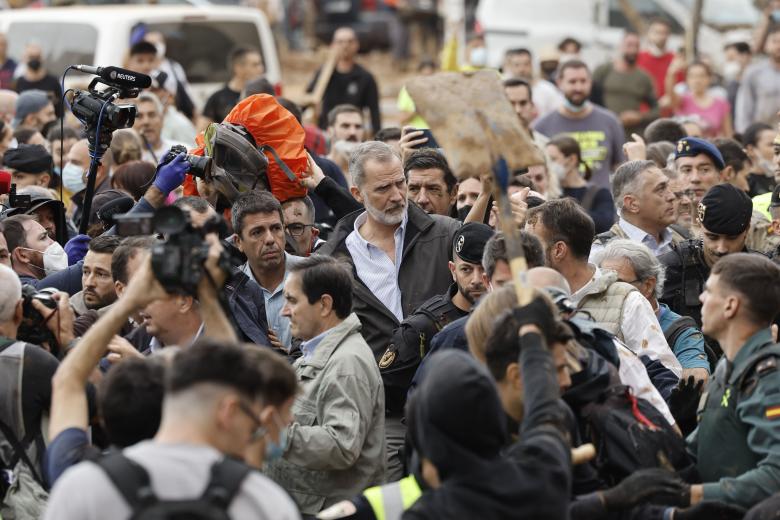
(684, 402)
(710, 510)
(539, 313)
(640, 486)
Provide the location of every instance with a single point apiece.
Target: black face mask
(34, 64)
(464, 212)
(630, 58)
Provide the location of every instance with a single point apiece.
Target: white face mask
(55, 259)
(160, 47)
(731, 70)
(559, 170)
(478, 57)
(73, 178)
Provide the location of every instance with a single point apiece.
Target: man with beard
(345, 131)
(412, 339)
(598, 132)
(34, 255)
(624, 88)
(398, 253)
(724, 213)
(258, 223)
(36, 77)
(98, 290)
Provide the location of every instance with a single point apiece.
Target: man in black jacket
(399, 256)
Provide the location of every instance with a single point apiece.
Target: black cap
(28, 158)
(103, 198)
(693, 146)
(469, 241)
(725, 210)
(774, 202)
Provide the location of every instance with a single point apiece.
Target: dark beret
(28, 158)
(469, 241)
(693, 146)
(725, 210)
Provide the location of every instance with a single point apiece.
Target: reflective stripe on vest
(391, 500)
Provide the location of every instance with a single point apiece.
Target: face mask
(559, 170)
(73, 178)
(34, 64)
(54, 258)
(731, 70)
(464, 212)
(630, 58)
(273, 450)
(160, 50)
(571, 107)
(478, 57)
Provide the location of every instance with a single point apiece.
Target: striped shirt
(375, 268)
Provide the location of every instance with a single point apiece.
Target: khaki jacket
(336, 446)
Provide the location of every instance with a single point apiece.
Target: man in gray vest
(566, 233)
(646, 206)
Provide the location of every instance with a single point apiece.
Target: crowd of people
(341, 336)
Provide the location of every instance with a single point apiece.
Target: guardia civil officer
(737, 441)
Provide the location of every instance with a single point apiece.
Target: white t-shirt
(177, 472)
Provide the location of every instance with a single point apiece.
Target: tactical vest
(409, 345)
(606, 301)
(389, 501)
(685, 278)
(722, 447)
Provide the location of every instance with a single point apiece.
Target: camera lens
(169, 220)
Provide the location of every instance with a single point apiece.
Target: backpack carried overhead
(132, 482)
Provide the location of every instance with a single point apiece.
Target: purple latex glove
(76, 248)
(170, 176)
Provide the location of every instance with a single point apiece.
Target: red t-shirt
(656, 66)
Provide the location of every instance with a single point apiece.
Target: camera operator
(34, 255)
(29, 368)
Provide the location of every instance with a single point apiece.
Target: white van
(599, 24)
(200, 38)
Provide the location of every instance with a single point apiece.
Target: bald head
(8, 105)
(11, 289)
(541, 277)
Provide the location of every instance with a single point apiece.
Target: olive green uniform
(737, 441)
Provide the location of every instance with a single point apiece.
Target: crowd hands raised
(360, 351)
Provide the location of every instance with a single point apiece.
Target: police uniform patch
(387, 359)
(773, 412)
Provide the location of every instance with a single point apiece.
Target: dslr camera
(32, 329)
(200, 166)
(178, 260)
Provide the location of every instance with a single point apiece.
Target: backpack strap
(677, 327)
(130, 479)
(20, 453)
(286, 169)
(227, 475)
(753, 362)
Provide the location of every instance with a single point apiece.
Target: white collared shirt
(375, 268)
(638, 235)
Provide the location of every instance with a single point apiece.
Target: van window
(203, 47)
(63, 43)
(648, 9)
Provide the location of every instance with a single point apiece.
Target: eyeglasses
(260, 431)
(297, 230)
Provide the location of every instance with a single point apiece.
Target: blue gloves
(170, 176)
(76, 248)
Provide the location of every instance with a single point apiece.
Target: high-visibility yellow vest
(389, 501)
